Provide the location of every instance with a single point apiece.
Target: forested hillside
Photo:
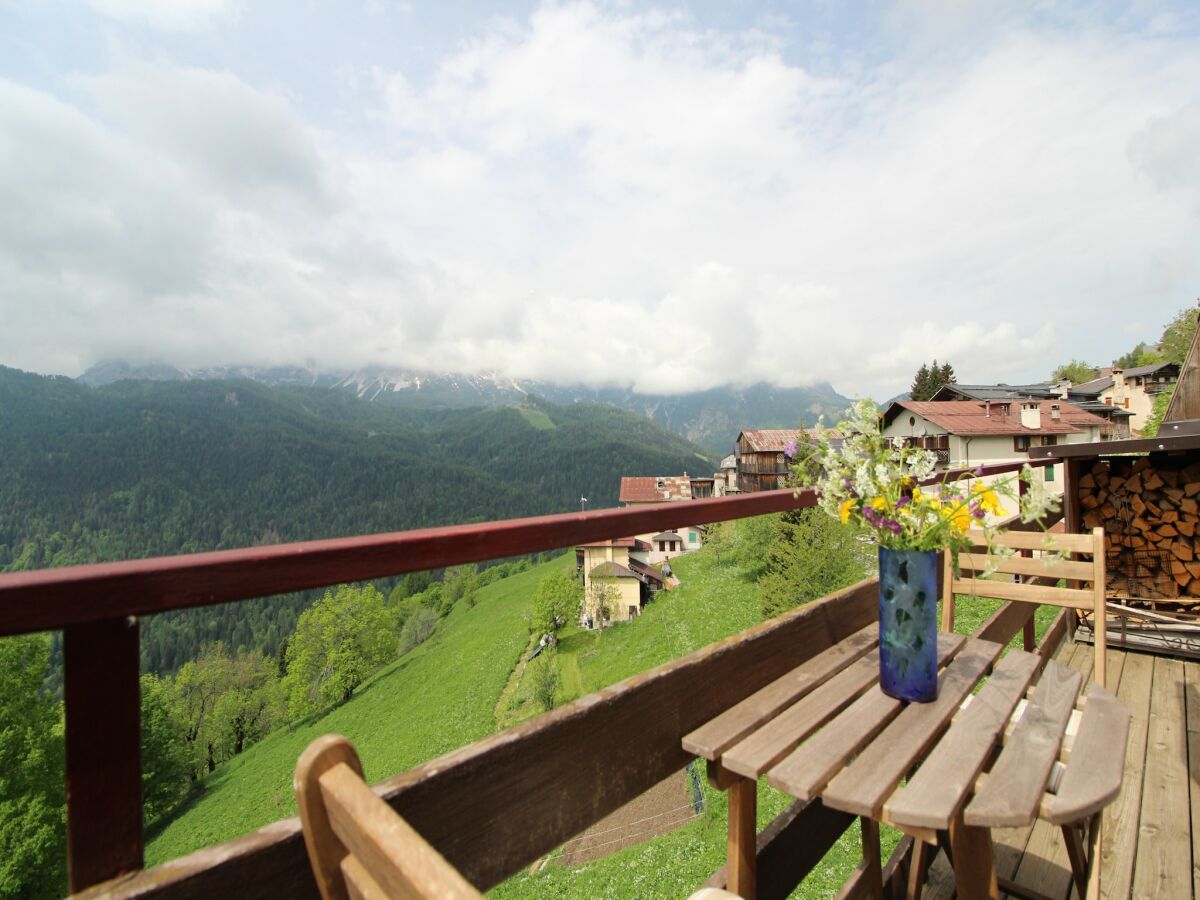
(711, 418)
(136, 469)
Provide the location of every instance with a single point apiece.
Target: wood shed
(1145, 494)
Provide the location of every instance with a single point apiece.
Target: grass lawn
(439, 697)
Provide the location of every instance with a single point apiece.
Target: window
(1127, 403)
(1021, 443)
(693, 537)
(1050, 472)
(1050, 440)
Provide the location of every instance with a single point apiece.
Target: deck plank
(1045, 865)
(1191, 672)
(1119, 848)
(1164, 853)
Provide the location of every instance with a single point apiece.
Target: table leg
(871, 856)
(974, 865)
(742, 870)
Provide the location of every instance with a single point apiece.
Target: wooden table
(1026, 744)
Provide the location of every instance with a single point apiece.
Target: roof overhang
(1173, 437)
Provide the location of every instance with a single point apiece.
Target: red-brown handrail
(97, 605)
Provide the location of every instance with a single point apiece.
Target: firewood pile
(1150, 513)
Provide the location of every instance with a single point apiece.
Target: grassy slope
(711, 603)
(435, 699)
(430, 702)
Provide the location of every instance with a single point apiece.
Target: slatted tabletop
(1006, 741)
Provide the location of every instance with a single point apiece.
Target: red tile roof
(969, 417)
(646, 489)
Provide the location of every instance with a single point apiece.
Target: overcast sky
(672, 196)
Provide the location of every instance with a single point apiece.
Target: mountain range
(711, 418)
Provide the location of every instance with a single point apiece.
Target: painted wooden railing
(97, 608)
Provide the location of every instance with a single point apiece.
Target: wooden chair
(1038, 578)
(1037, 582)
(359, 847)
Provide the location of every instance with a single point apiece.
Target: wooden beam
(500, 803)
(103, 751)
(49, 599)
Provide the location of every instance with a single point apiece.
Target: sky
(666, 196)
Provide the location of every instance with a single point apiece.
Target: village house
(762, 462)
(726, 479)
(643, 490)
(968, 433)
(1132, 390)
(1116, 418)
(623, 567)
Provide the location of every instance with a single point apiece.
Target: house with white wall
(1132, 389)
(968, 433)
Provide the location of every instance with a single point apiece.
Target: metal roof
(770, 440)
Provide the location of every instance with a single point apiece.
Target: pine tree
(920, 383)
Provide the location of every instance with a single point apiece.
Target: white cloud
(169, 15)
(607, 196)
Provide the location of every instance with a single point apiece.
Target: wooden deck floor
(1150, 849)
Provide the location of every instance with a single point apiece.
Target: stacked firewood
(1150, 513)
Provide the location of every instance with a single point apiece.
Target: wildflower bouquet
(867, 480)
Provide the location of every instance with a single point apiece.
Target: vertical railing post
(104, 773)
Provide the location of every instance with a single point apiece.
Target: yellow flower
(846, 508)
(879, 503)
(990, 501)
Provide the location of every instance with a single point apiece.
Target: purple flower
(892, 525)
(789, 449)
(979, 470)
(978, 513)
(870, 515)
(903, 501)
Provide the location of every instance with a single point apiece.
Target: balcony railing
(491, 807)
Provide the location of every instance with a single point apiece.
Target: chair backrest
(359, 847)
(1037, 579)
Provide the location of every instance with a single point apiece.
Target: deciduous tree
(1177, 336)
(32, 797)
(1076, 371)
(555, 603)
(339, 641)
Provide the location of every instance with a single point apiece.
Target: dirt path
(664, 807)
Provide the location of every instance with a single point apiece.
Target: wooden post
(1071, 518)
(1028, 632)
(974, 865)
(103, 744)
(1099, 606)
(742, 849)
(947, 591)
(872, 857)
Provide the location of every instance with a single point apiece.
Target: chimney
(1055, 412)
(987, 408)
(1031, 415)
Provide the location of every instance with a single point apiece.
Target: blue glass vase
(908, 624)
